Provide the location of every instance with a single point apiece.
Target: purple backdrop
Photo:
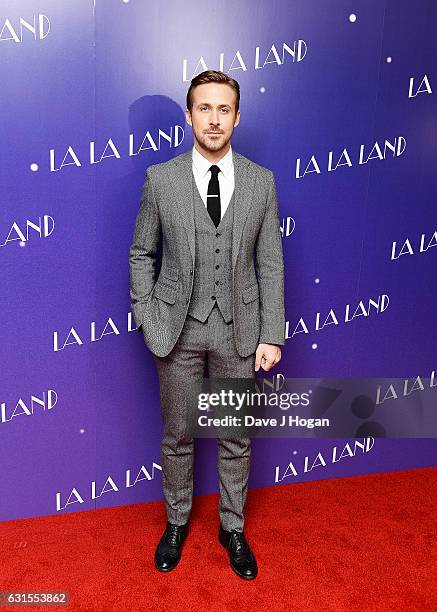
(92, 94)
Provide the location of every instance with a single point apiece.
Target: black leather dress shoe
(241, 557)
(168, 552)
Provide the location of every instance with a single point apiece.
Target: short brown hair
(213, 76)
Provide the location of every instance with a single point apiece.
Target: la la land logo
(19, 32)
(423, 87)
(110, 149)
(262, 58)
(365, 155)
(43, 228)
(287, 227)
(408, 247)
(28, 407)
(109, 486)
(321, 460)
(409, 387)
(75, 338)
(378, 305)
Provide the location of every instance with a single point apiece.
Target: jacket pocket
(250, 293)
(165, 293)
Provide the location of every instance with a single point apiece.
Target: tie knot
(214, 170)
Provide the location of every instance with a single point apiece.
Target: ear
(237, 119)
(188, 116)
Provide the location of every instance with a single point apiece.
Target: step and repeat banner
(337, 99)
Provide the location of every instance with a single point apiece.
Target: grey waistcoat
(213, 266)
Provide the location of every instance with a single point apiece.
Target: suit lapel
(182, 177)
(245, 177)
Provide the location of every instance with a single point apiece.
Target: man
(218, 299)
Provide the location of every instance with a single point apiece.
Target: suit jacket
(166, 214)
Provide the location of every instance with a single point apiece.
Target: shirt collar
(203, 165)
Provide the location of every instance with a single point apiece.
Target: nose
(214, 118)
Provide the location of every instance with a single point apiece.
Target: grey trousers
(210, 343)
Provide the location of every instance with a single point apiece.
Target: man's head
(213, 101)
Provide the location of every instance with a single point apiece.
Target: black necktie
(213, 196)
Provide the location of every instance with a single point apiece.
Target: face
(213, 116)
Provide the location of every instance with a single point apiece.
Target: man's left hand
(266, 356)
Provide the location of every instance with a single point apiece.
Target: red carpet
(360, 543)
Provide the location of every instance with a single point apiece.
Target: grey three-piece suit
(219, 293)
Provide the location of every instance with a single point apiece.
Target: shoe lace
(238, 543)
(172, 535)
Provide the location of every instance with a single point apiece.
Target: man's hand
(266, 356)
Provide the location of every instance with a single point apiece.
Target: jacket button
(213, 297)
(191, 271)
(217, 234)
(217, 250)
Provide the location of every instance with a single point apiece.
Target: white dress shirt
(202, 175)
